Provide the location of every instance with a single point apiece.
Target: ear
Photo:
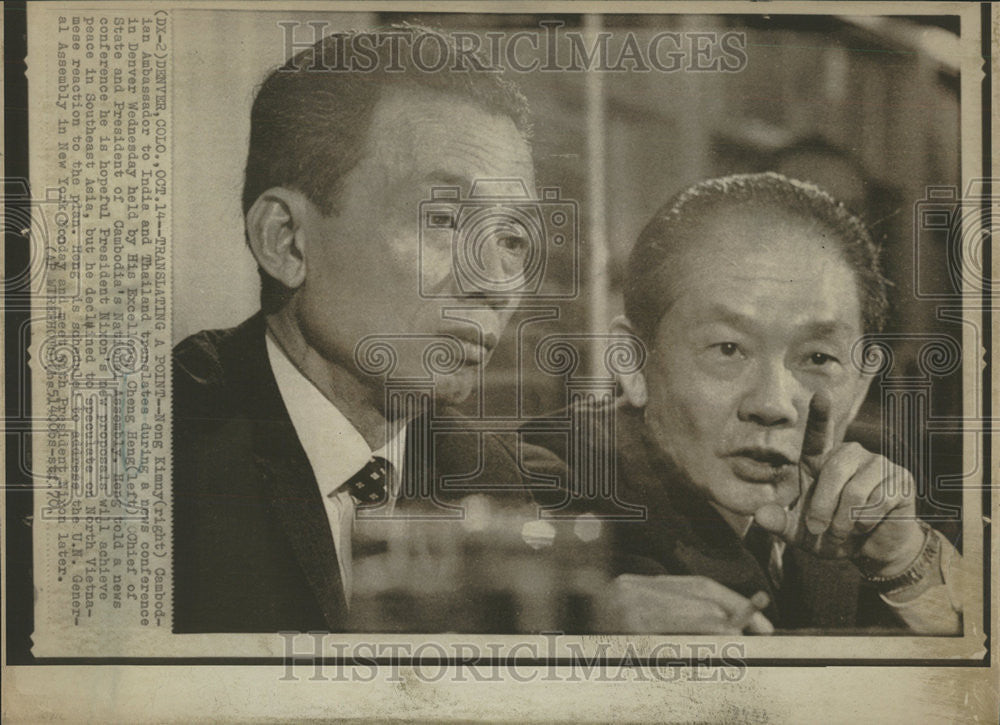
(274, 232)
(633, 384)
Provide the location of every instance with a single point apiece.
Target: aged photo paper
(506, 361)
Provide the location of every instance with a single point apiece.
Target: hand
(852, 503)
(680, 604)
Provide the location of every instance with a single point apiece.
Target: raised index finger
(817, 431)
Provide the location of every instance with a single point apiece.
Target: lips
(760, 465)
(475, 352)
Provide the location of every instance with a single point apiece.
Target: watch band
(915, 572)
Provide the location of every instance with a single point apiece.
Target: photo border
(17, 541)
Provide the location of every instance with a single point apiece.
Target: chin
(746, 498)
(454, 389)
(785, 496)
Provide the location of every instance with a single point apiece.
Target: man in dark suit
(752, 295)
(283, 426)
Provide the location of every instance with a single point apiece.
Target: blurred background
(867, 108)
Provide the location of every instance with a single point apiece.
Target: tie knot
(368, 486)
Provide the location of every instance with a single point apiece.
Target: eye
(513, 243)
(441, 220)
(821, 358)
(729, 350)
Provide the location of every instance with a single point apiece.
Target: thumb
(777, 520)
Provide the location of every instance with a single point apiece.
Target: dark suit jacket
(252, 545)
(683, 535)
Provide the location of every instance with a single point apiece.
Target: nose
(493, 301)
(490, 278)
(775, 397)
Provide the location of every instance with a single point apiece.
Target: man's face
(764, 315)
(363, 262)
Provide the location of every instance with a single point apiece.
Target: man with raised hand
(752, 294)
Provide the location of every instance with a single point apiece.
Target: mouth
(476, 350)
(760, 465)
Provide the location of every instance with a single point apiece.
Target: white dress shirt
(335, 449)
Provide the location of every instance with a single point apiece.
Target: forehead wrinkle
(416, 138)
(472, 156)
(803, 304)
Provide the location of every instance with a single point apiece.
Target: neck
(359, 403)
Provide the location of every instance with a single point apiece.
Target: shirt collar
(334, 447)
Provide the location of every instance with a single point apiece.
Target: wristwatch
(920, 567)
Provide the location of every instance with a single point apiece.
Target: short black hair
(647, 295)
(310, 119)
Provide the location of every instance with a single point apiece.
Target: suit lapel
(290, 483)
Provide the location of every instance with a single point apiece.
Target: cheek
(326, 265)
(691, 410)
(326, 293)
(435, 258)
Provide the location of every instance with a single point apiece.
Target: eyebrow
(726, 315)
(729, 316)
(827, 328)
(442, 177)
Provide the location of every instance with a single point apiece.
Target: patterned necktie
(367, 488)
(369, 485)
